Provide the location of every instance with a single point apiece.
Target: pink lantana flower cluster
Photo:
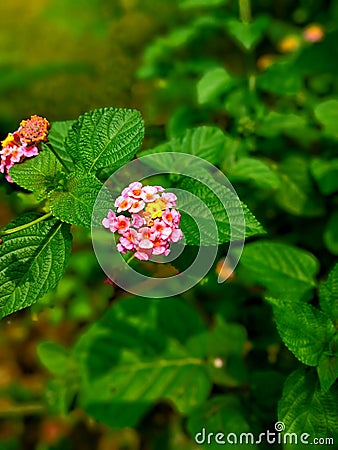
(23, 143)
(146, 221)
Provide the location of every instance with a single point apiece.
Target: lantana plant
(65, 164)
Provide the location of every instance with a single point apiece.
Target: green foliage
(32, 261)
(247, 34)
(327, 115)
(329, 295)
(105, 137)
(255, 171)
(39, 175)
(141, 350)
(74, 202)
(304, 407)
(305, 330)
(284, 270)
(215, 82)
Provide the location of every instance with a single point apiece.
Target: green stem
(33, 409)
(26, 225)
(49, 145)
(131, 258)
(245, 11)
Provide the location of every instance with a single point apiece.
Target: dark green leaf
(304, 329)
(327, 115)
(303, 408)
(331, 234)
(105, 137)
(221, 414)
(327, 371)
(284, 270)
(296, 194)
(32, 261)
(139, 353)
(328, 294)
(325, 173)
(280, 79)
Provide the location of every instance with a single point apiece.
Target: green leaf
(328, 294)
(297, 194)
(304, 329)
(331, 234)
(255, 171)
(187, 4)
(327, 371)
(274, 124)
(139, 353)
(327, 114)
(56, 136)
(281, 79)
(213, 84)
(303, 408)
(54, 357)
(32, 261)
(248, 34)
(74, 204)
(206, 142)
(105, 137)
(325, 172)
(222, 414)
(232, 223)
(286, 271)
(40, 174)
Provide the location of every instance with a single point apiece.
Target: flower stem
(49, 145)
(131, 258)
(26, 225)
(245, 11)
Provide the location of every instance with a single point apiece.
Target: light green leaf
(137, 354)
(303, 408)
(56, 136)
(327, 114)
(40, 174)
(255, 171)
(54, 357)
(206, 142)
(214, 83)
(328, 294)
(331, 234)
(221, 414)
(325, 172)
(187, 4)
(296, 194)
(286, 271)
(274, 124)
(32, 261)
(304, 329)
(105, 137)
(74, 204)
(248, 34)
(327, 371)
